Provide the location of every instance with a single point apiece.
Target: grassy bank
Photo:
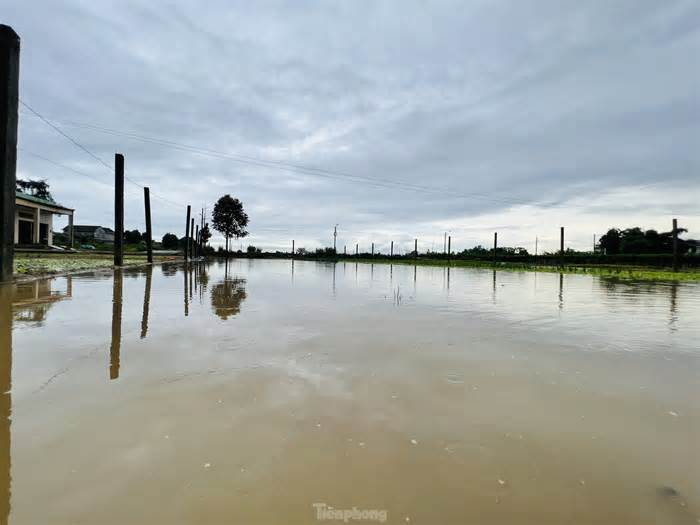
(617, 271)
(36, 264)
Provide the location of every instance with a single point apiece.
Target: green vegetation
(40, 264)
(618, 271)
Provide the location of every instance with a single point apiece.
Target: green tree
(611, 241)
(132, 236)
(205, 234)
(170, 241)
(229, 218)
(38, 188)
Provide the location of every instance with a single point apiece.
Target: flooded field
(268, 392)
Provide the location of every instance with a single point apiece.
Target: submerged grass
(617, 271)
(29, 264)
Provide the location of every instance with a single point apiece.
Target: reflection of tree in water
(227, 296)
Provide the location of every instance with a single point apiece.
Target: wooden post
(495, 246)
(449, 246)
(118, 209)
(372, 249)
(292, 247)
(196, 240)
(561, 245)
(675, 245)
(9, 100)
(345, 250)
(357, 249)
(187, 231)
(149, 232)
(415, 248)
(189, 240)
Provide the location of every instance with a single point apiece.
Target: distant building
(34, 219)
(91, 233)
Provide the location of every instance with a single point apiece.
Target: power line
(59, 130)
(297, 168)
(86, 150)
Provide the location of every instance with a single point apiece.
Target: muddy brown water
(270, 392)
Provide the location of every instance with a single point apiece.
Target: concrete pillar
(71, 237)
(37, 222)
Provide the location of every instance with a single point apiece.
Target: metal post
(118, 209)
(149, 233)
(9, 100)
(187, 231)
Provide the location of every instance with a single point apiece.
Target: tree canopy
(37, 188)
(229, 218)
(170, 241)
(636, 240)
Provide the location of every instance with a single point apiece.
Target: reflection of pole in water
(146, 302)
(448, 278)
(355, 273)
(115, 346)
(189, 272)
(292, 271)
(674, 314)
(561, 291)
(371, 273)
(415, 276)
(5, 400)
(493, 293)
(334, 265)
(187, 304)
(391, 273)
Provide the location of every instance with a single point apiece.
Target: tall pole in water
(149, 233)
(9, 102)
(118, 209)
(495, 245)
(187, 231)
(335, 236)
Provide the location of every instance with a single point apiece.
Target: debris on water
(361, 443)
(582, 481)
(394, 396)
(318, 425)
(166, 436)
(668, 492)
(219, 401)
(674, 414)
(207, 465)
(413, 441)
(501, 482)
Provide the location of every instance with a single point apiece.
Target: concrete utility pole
(118, 209)
(187, 230)
(149, 233)
(9, 100)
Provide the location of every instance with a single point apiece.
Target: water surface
(249, 392)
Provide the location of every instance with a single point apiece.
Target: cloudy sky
(393, 119)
